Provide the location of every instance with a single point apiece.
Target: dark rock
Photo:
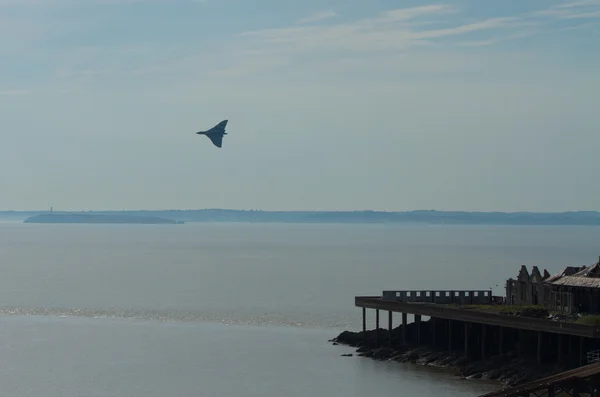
(508, 368)
(382, 354)
(445, 361)
(492, 375)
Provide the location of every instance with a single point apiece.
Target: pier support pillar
(500, 341)
(433, 322)
(364, 310)
(449, 334)
(521, 343)
(560, 348)
(540, 337)
(483, 340)
(467, 339)
(581, 350)
(570, 349)
(390, 329)
(418, 329)
(404, 326)
(377, 327)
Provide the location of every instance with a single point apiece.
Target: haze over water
(236, 309)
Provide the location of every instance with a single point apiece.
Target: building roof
(567, 271)
(590, 272)
(574, 281)
(577, 276)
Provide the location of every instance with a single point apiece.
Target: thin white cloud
(584, 15)
(51, 3)
(404, 14)
(388, 31)
(319, 16)
(396, 31)
(500, 39)
(403, 29)
(578, 27)
(580, 3)
(13, 92)
(583, 9)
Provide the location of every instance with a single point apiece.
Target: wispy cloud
(50, 3)
(496, 40)
(580, 3)
(582, 9)
(388, 31)
(13, 92)
(403, 29)
(319, 16)
(431, 29)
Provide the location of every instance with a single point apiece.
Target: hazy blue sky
(339, 104)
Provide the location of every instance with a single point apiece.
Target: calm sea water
(236, 309)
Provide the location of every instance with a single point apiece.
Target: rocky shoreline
(507, 369)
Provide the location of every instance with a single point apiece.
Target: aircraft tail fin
(216, 133)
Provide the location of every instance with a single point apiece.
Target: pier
(480, 333)
(549, 325)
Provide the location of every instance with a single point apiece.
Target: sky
(332, 104)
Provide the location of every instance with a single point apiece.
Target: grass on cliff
(535, 311)
(507, 309)
(589, 320)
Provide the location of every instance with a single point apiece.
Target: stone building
(575, 289)
(527, 289)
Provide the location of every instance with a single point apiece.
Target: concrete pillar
(539, 347)
(404, 325)
(559, 343)
(364, 310)
(433, 327)
(449, 334)
(483, 340)
(390, 328)
(418, 329)
(467, 340)
(570, 346)
(581, 350)
(521, 342)
(377, 327)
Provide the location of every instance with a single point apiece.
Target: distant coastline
(431, 217)
(98, 218)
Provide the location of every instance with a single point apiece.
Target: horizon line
(305, 210)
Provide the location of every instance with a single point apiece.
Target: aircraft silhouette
(216, 133)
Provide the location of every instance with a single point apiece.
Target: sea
(238, 309)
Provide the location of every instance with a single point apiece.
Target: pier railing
(593, 356)
(464, 297)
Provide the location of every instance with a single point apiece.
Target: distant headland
(431, 217)
(99, 218)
